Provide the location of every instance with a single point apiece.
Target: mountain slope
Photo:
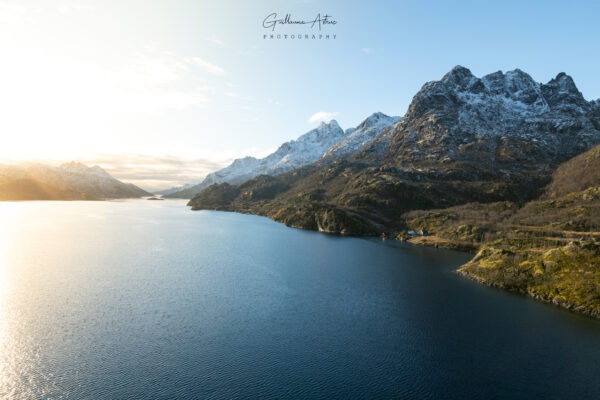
(307, 149)
(174, 189)
(356, 138)
(69, 181)
(463, 139)
(29, 189)
(576, 175)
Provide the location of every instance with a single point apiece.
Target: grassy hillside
(548, 249)
(377, 196)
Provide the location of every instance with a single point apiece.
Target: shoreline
(463, 270)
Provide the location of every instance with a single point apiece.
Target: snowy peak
(508, 96)
(360, 136)
(324, 130)
(458, 76)
(377, 118)
(76, 167)
(333, 124)
(305, 150)
(561, 93)
(500, 117)
(516, 85)
(245, 162)
(511, 83)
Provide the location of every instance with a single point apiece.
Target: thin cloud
(325, 116)
(152, 81)
(366, 50)
(210, 68)
(215, 41)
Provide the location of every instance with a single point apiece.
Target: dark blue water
(141, 299)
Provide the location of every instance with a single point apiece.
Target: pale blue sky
(196, 81)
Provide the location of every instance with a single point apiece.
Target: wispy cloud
(366, 50)
(153, 81)
(215, 40)
(209, 67)
(322, 116)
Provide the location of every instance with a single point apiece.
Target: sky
(161, 92)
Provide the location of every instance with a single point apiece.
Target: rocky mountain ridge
(326, 142)
(500, 118)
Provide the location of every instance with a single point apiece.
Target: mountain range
(462, 139)
(68, 181)
(326, 142)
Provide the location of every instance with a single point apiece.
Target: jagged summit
(360, 136)
(328, 125)
(562, 94)
(516, 85)
(502, 114)
(373, 119)
(459, 76)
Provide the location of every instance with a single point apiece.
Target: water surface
(146, 299)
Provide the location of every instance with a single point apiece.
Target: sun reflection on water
(7, 225)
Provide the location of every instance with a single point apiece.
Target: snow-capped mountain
(165, 192)
(356, 138)
(505, 119)
(305, 150)
(68, 181)
(238, 171)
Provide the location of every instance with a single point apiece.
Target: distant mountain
(463, 139)
(174, 189)
(307, 149)
(69, 181)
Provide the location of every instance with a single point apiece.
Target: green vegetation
(567, 275)
(547, 249)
